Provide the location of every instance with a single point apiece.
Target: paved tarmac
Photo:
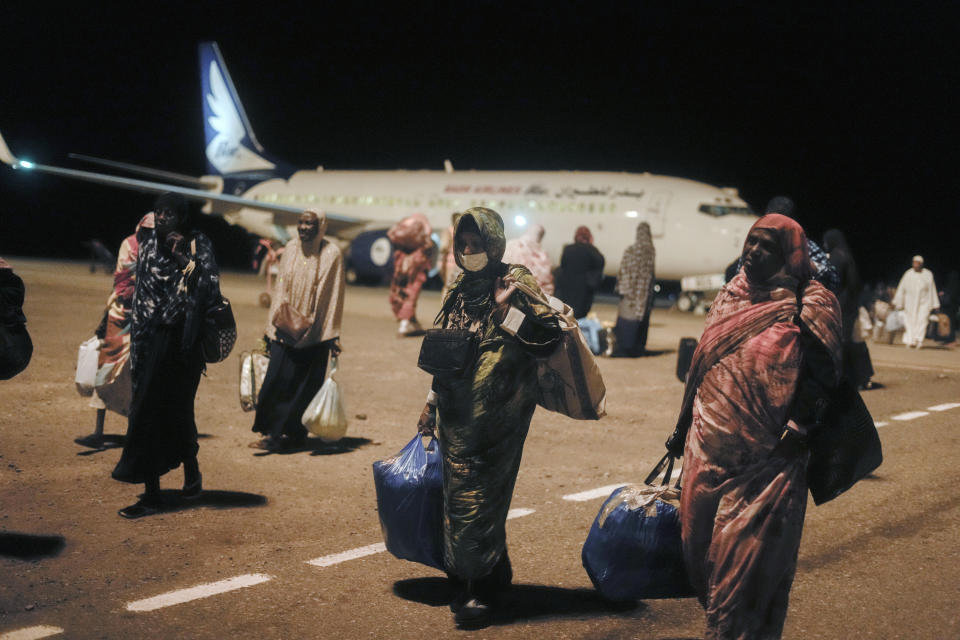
(289, 545)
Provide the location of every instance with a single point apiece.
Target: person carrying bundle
(482, 412)
(303, 330)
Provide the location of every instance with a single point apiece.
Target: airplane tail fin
(231, 146)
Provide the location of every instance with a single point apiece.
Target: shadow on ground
(173, 501)
(318, 447)
(523, 602)
(111, 441)
(27, 546)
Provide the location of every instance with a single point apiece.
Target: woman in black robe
(581, 272)
(177, 280)
(857, 367)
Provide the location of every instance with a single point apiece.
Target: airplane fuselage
(697, 228)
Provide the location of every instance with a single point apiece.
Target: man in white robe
(917, 297)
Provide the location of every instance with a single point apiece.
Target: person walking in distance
(412, 257)
(581, 272)
(856, 358)
(635, 286)
(528, 251)
(114, 334)
(303, 330)
(916, 297)
(177, 280)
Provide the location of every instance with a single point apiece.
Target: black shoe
(193, 489)
(459, 599)
(143, 507)
(473, 614)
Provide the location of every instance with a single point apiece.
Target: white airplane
(698, 229)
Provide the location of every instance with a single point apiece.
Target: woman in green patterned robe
(482, 416)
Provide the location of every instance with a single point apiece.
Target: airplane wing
(283, 215)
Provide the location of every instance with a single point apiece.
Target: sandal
(138, 510)
(265, 444)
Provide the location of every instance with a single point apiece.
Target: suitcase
(685, 357)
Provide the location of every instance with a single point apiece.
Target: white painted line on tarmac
(897, 365)
(910, 415)
(32, 633)
(944, 407)
(519, 513)
(200, 591)
(352, 554)
(593, 494)
(881, 424)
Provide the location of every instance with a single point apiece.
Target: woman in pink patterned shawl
(767, 362)
(114, 388)
(528, 251)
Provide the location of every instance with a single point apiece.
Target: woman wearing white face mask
(482, 413)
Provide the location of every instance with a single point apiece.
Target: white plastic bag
(87, 360)
(894, 321)
(325, 416)
(253, 370)
(115, 391)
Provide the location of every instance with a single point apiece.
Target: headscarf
(793, 244)
(528, 251)
(322, 219)
(918, 258)
(411, 233)
(583, 236)
(635, 280)
(475, 288)
(834, 239)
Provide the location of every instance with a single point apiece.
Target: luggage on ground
(633, 550)
(325, 416)
(88, 358)
(410, 502)
(894, 321)
(594, 333)
(253, 369)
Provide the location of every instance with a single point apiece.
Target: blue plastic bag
(633, 551)
(593, 333)
(410, 502)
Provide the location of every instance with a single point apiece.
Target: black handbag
(844, 448)
(219, 332)
(447, 352)
(16, 348)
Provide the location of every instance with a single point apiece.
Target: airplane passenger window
(718, 210)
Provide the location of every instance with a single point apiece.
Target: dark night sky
(849, 111)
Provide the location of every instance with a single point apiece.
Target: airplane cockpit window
(719, 210)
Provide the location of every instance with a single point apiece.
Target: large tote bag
(570, 380)
(844, 448)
